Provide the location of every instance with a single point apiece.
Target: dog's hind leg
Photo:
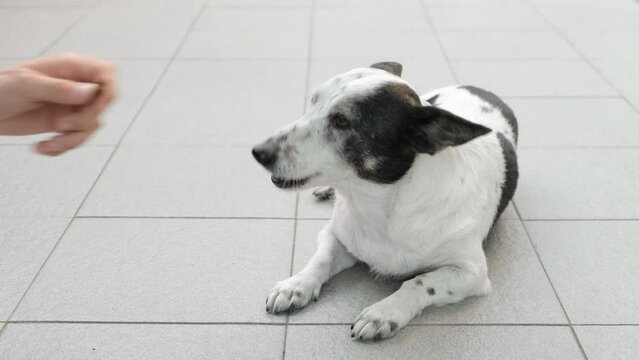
(324, 193)
(445, 285)
(330, 258)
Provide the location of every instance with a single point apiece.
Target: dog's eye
(340, 121)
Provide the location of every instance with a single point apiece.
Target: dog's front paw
(292, 293)
(379, 321)
(324, 193)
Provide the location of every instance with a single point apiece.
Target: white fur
(430, 224)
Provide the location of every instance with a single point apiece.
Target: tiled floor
(161, 237)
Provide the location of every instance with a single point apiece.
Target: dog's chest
(376, 237)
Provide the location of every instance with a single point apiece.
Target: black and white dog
(418, 184)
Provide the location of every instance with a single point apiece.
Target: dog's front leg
(446, 285)
(330, 258)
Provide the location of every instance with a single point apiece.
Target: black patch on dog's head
(371, 132)
(379, 134)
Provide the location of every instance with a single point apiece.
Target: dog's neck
(365, 197)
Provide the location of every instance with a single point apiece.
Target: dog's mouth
(283, 183)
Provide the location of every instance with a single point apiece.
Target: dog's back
(485, 108)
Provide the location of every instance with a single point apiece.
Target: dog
(418, 184)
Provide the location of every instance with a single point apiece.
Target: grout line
(563, 308)
(260, 323)
(67, 30)
(429, 19)
(145, 322)
(106, 163)
(575, 220)
(187, 217)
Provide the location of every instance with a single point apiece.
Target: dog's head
(366, 123)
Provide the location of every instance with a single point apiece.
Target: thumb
(60, 91)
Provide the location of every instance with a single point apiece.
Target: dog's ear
(435, 129)
(390, 66)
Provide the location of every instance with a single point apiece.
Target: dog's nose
(264, 155)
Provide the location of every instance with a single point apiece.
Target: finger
(82, 69)
(58, 91)
(36, 121)
(84, 120)
(62, 143)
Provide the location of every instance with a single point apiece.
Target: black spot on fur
(393, 325)
(418, 282)
(497, 103)
(450, 292)
(430, 291)
(510, 177)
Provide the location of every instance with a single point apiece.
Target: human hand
(64, 94)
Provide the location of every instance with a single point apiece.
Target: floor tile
(309, 207)
(380, 15)
(497, 44)
(262, 2)
(475, 3)
(424, 75)
(221, 103)
(439, 342)
(520, 286)
(516, 16)
(609, 342)
(382, 44)
(592, 4)
(33, 29)
(534, 78)
(34, 3)
(578, 184)
(115, 29)
(169, 270)
(580, 17)
(24, 245)
(135, 81)
(591, 265)
(575, 122)
(116, 341)
(187, 181)
(623, 74)
(36, 185)
(607, 44)
(244, 32)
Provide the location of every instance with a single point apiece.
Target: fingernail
(86, 89)
(51, 146)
